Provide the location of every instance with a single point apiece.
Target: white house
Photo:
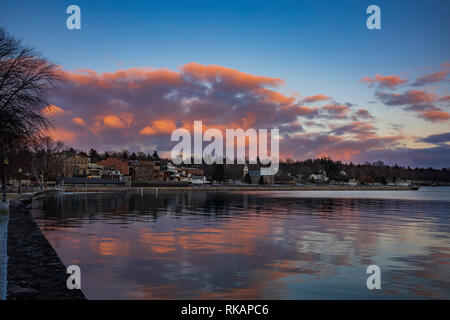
(198, 179)
(318, 177)
(402, 183)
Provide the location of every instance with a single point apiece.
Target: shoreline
(242, 188)
(35, 272)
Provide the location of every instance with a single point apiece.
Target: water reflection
(201, 245)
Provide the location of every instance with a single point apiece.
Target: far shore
(212, 188)
(241, 188)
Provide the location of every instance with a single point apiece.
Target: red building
(120, 164)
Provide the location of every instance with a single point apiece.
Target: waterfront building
(95, 170)
(119, 164)
(197, 179)
(146, 171)
(320, 177)
(75, 165)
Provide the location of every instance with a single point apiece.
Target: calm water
(257, 245)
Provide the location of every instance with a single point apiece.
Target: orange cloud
(275, 97)
(435, 115)
(159, 127)
(113, 121)
(316, 98)
(385, 81)
(79, 121)
(52, 110)
(59, 134)
(133, 77)
(212, 73)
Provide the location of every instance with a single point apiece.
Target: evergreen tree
(155, 156)
(218, 172)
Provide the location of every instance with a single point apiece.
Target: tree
(47, 159)
(155, 156)
(25, 79)
(94, 156)
(218, 172)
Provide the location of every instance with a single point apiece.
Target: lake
(253, 245)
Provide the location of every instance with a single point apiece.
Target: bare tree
(47, 159)
(25, 79)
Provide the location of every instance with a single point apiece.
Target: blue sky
(314, 46)
(266, 37)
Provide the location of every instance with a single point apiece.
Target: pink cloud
(359, 128)
(79, 121)
(337, 111)
(391, 81)
(362, 114)
(159, 127)
(435, 115)
(431, 78)
(316, 98)
(52, 110)
(408, 97)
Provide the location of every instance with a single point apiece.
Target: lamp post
(42, 181)
(20, 181)
(5, 162)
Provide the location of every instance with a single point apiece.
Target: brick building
(147, 171)
(121, 165)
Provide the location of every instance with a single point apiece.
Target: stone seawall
(3, 256)
(34, 269)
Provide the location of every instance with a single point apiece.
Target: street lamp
(5, 162)
(20, 181)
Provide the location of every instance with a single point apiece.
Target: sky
(137, 71)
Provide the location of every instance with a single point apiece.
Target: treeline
(96, 156)
(44, 159)
(376, 172)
